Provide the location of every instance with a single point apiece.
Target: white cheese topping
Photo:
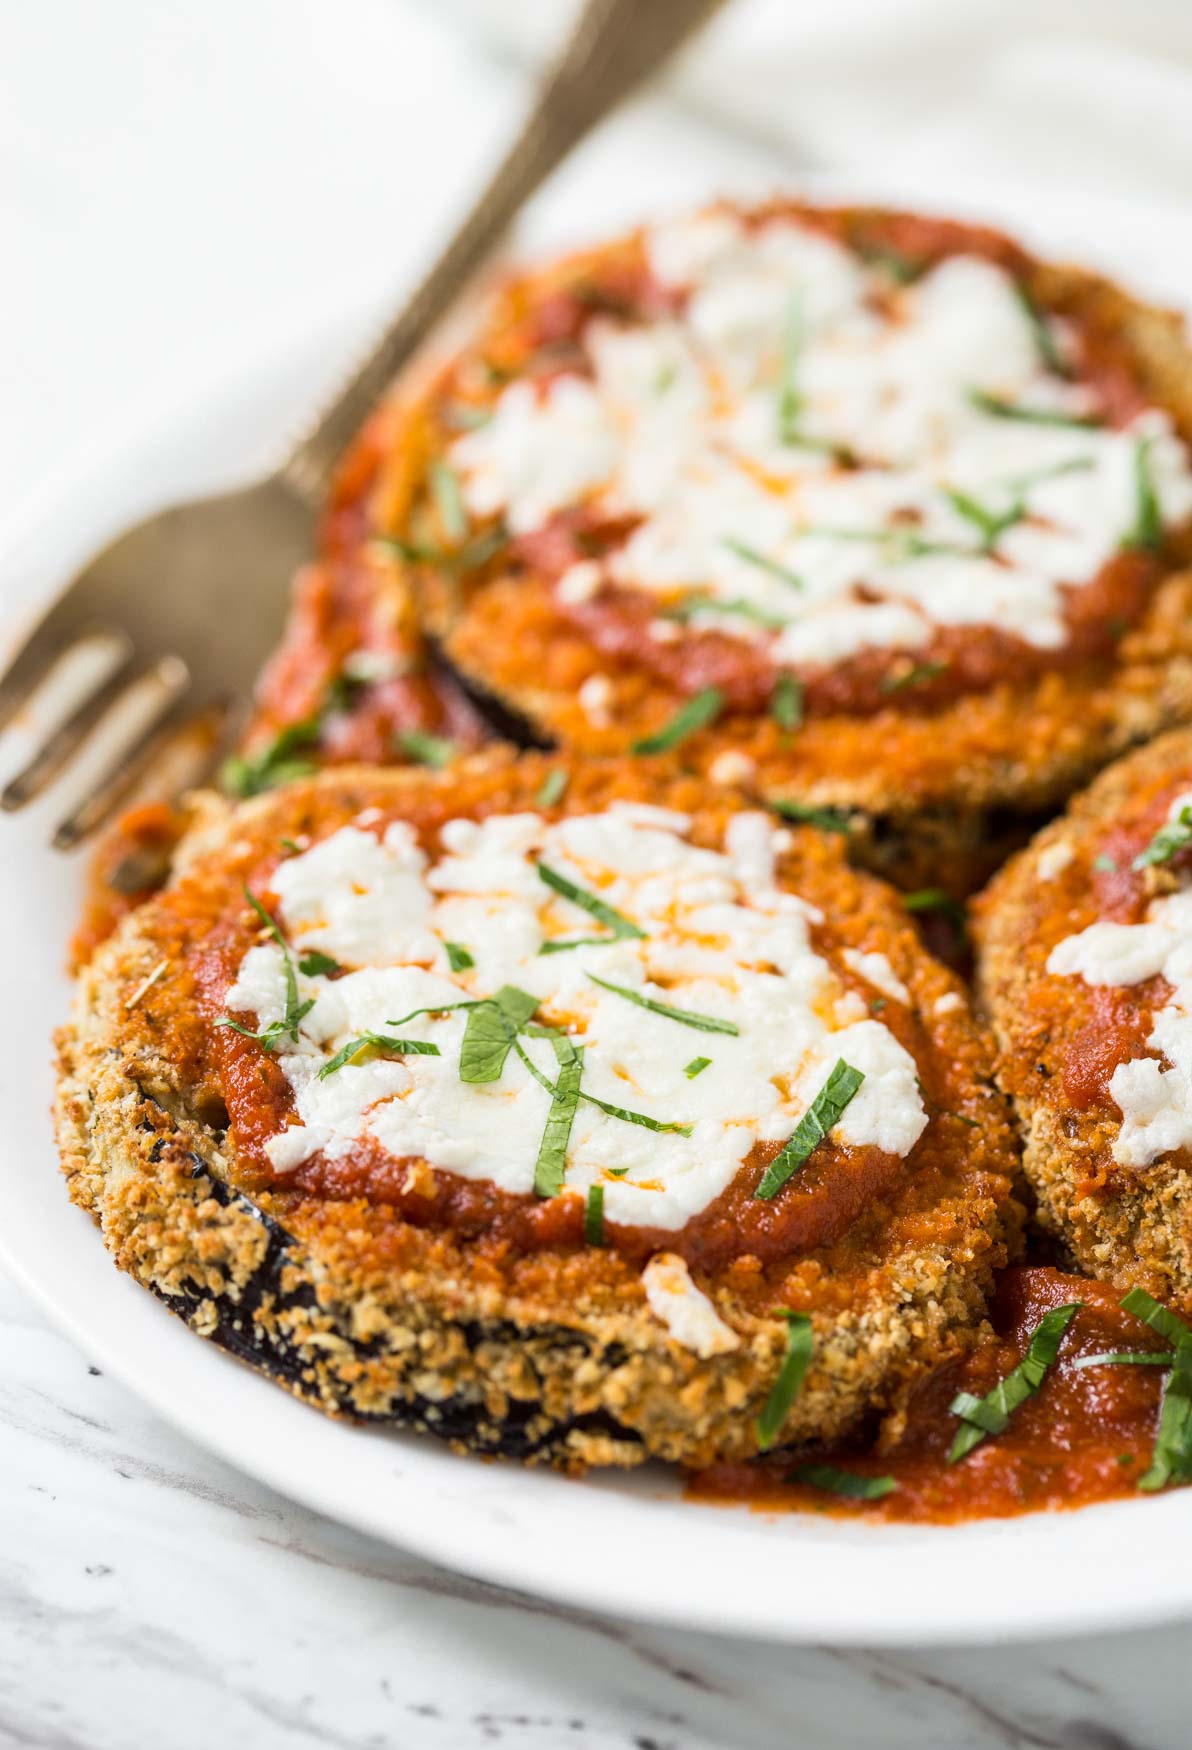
(716, 430)
(875, 969)
(684, 1309)
(1054, 859)
(1155, 1102)
(720, 939)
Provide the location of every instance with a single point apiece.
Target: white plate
(625, 1545)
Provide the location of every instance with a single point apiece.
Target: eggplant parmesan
(1086, 942)
(562, 1110)
(865, 512)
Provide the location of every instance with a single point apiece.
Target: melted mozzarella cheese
(1155, 1102)
(679, 426)
(684, 1309)
(720, 939)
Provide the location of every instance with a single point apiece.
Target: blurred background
(185, 186)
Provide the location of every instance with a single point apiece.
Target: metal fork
(181, 610)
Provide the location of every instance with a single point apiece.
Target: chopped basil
(790, 402)
(317, 964)
(991, 1414)
(491, 1032)
(371, 1043)
(449, 501)
(998, 407)
(696, 1067)
(1045, 341)
(594, 1216)
(623, 928)
(738, 605)
(458, 957)
(1172, 837)
(551, 1165)
(295, 1011)
(1128, 1358)
(1171, 1455)
(800, 1342)
(916, 675)
(628, 1116)
(807, 814)
(688, 1017)
(786, 702)
(425, 749)
(278, 762)
(552, 788)
(290, 848)
(843, 1482)
(700, 710)
(1105, 865)
(824, 1111)
(938, 900)
(900, 545)
(990, 524)
(772, 567)
(1147, 531)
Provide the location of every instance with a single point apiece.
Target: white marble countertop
(151, 1595)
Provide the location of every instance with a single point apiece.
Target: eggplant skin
(362, 1315)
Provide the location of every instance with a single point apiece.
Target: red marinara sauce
(1085, 1436)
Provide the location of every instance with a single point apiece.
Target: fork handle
(614, 47)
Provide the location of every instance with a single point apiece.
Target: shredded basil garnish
(316, 964)
(700, 710)
(918, 674)
(594, 1216)
(696, 1067)
(688, 1017)
(786, 702)
(449, 501)
(551, 1165)
(790, 402)
(1128, 1358)
(991, 1414)
(278, 762)
(372, 1043)
(1172, 837)
(800, 1342)
(938, 900)
(458, 957)
(824, 1111)
(1045, 341)
(295, 1011)
(848, 1483)
(552, 788)
(623, 928)
(624, 1113)
(807, 814)
(435, 751)
(738, 605)
(1171, 1455)
(998, 407)
(1147, 532)
(772, 567)
(491, 1033)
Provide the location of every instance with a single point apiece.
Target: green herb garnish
(278, 762)
(700, 710)
(1172, 837)
(552, 788)
(938, 900)
(449, 501)
(696, 1067)
(1146, 535)
(800, 1342)
(551, 1165)
(295, 1011)
(738, 605)
(1171, 1455)
(458, 957)
(991, 1414)
(772, 567)
(688, 1017)
(623, 928)
(1105, 865)
(491, 1032)
(824, 1111)
(625, 1113)
(790, 402)
(372, 1044)
(786, 702)
(807, 814)
(918, 674)
(435, 751)
(316, 964)
(998, 407)
(1128, 1358)
(843, 1482)
(1045, 341)
(594, 1216)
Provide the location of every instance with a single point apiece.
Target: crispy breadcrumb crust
(359, 1313)
(1128, 1225)
(936, 797)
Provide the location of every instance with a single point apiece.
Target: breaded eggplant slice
(531, 1224)
(1084, 942)
(867, 511)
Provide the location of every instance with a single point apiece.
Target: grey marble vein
(152, 1596)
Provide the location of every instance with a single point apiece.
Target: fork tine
(63, 740)
(178, 758)
(90, 658)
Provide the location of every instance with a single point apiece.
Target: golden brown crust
(956, 779)
(358, 1311)
(1058, 1039)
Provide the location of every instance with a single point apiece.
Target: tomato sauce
(1085, 1436)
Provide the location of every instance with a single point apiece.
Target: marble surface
(151, 1595)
